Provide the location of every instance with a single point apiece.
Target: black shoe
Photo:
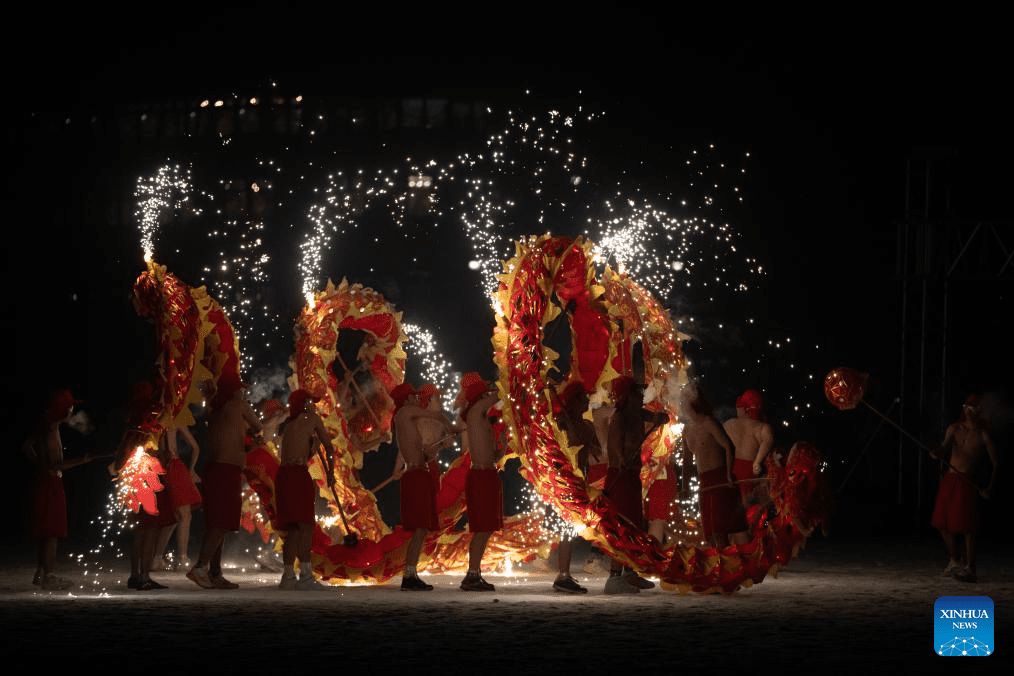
(134, 582)
(474, 582)
(568, 585)
(150, 584)
(413, 583)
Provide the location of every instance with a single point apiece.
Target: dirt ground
(842, 605)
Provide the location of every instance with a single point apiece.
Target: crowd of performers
(606, 420)
(729, 460)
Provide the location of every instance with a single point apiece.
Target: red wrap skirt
(957, 506)
(223, 499)
(182, 489)
(294, 497)
(419, 487)
(661, 496)
(721, 508)
(49, 507)
(484, 500)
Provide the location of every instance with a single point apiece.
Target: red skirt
(294, 497)
(182, 488)
(419, 488)
(743, 471)
(484, 500)
(661, 496)
(49, 508)
(957, 506)
(597, 475)
(721, 509)
(623, 486)
(223, 500)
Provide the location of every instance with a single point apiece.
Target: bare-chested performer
(483, 488)
(580, 433)
(295, 492)
(417, 469)
(752, 438)
(721, 509)
(181, 485)
(968, 443)
(623, 485)
(230, 419)
(49, 501)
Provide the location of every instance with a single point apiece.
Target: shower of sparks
(158, 198)
(540, 172)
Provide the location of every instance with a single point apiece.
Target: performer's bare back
(749, 436)
(227, 428)
(708, 441)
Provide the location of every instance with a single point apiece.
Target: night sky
(829, 110)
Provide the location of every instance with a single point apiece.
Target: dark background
(841, 117)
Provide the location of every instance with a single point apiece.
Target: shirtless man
(627, 433)
(721, 508)
(49, 514)
(223, 482)
(181, 484)
(483, 488)
(957, 506)
(294, 490)
(580, 433)
(753, 439)
(419, 473)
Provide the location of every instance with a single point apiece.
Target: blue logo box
(963, 626)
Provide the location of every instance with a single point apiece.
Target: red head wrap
(425, 393)
(472, 389)
(60, 402)
(621, 387)
(401, 393)
(751, 401)
(297, 403)
(270, 408)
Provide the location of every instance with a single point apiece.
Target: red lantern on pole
(844, 387)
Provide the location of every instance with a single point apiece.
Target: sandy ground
(842, 605)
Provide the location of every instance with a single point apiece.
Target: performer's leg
(656, 529)
(183, 533)
(410, 578)
(564, 553)
(476, 548)
(413, 551)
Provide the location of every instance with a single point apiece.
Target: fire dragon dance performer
(753, 440)
(230, 419)
(483, 488)
(623, 484)
(956, 512)
(184, 497)
(581, 433)
(49, 501)
(294, 488)
(721, 509)
(419, 473)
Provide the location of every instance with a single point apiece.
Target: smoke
(268, 383)
(81, 423)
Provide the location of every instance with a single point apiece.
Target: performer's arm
(767, 442)
(945, 448)
(322, 437)
(726, 443)
(195, 450)
(991, 452)
(399, 466)
(253, 420)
